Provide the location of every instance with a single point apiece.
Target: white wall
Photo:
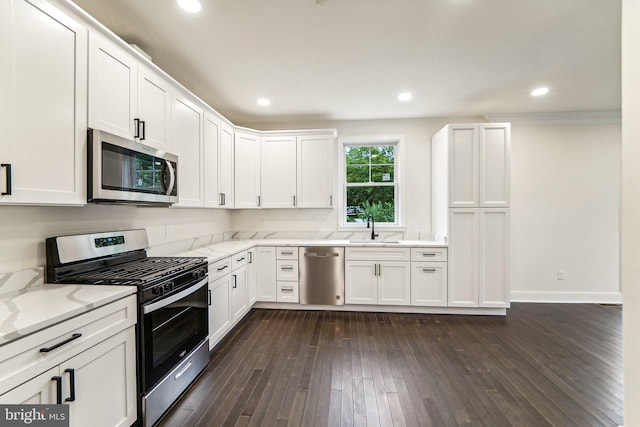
(631, 208)
(23, 229)
(565, 212)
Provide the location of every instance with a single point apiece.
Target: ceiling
(349, 59)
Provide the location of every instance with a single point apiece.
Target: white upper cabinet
(278, 172)
(126, 97)
(247, 170)
(315, 171)
(225, 167)
(43, 105)
(211, 159)
(186, 129)
(471, 165)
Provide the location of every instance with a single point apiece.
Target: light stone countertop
(38, 307)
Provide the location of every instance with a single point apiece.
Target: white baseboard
(567, 297)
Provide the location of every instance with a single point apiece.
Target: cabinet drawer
(287, 252)
(287, 292)
(378, 254)
(219, 268)
(239, 259)
(428, 254)
(22, 359)
(429, 284)
(287, 271)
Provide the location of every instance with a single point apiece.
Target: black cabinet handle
(7, 171)
(72, 385)
(144, 130)
(60, 344)
(209, 291)
(58, 380)
(250, 257)
(136, 123)
(235, 281)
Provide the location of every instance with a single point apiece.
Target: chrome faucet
(372, 225)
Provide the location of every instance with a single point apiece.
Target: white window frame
(398, 142)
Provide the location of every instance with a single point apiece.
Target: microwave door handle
(172, 177)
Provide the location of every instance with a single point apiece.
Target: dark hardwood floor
(542, 365)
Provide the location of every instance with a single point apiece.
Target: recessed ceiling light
(405, 96)
(540, 91)
(192, 6)
(264, 102)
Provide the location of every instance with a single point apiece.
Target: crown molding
(562, 118)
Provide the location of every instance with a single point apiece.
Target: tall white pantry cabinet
(471, 186)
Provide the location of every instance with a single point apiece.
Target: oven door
(170, 329)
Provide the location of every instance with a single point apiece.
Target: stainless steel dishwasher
(321, 275)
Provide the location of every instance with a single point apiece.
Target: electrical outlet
(560, 274)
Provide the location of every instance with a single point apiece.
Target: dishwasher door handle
(321, 254)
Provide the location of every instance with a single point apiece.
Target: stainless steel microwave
(120, 171)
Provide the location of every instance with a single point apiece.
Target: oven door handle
(173, 298)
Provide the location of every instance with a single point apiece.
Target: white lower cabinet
(252, 291)
(378, 276)
(265, 261)
(429, 284)
(239, 302)
(95, 373)
(219, 309)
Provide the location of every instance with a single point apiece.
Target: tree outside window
(370, 184)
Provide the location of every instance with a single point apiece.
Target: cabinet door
(247, 171)
(464, 246)
(40, 390)
(239, 304)
(251, 277)
(429, 284)
(225, 167)
(154, 105)
(43, 105)
(361, 282)
(211, 153)
(219, 309)
(186, 124)
(112, 87)
(278, 172)
(105, 383)
(394, 283)
(495, 289)
(494, 168)
(463, 166)
(265, 274)
(316, 171)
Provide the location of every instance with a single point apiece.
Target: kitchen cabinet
(186, 129)
(239, 302)
(226, 167)
(429, 284)
(287, 276)
(96, 371)
(265, 261)
(378, 276)
(220, 315)
(43, 81)
(315, 171)
(252, 291)
(278, 172)
(247, 170)
(211, 160)
(127, 97)
(479, 258)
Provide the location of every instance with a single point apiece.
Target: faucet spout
(371, 223)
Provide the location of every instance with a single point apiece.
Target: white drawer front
(287, 271)
(239, 259)
(428, 254)
(287, 292)
(377, 254)
(219, 269)
(288, 252)
(23, 359)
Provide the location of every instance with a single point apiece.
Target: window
(370, 182)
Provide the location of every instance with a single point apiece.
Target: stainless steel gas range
(172, 329)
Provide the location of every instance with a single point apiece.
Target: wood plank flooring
(542, 365)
